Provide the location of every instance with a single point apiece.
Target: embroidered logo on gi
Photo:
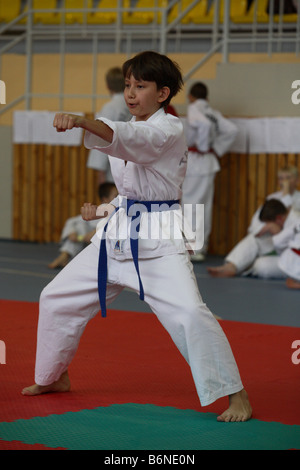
(119, 246)
(184, 159)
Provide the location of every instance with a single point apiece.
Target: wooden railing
(52, 182)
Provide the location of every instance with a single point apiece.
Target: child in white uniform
(115, 110)
(77, 233)
(289, 260)
(209, 136)
(148, 157)
(243, 258)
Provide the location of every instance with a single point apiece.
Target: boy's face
(143, 98)
(287, 179)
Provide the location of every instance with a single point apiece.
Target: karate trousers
(71, 300)
(199, 189)
(250, 256)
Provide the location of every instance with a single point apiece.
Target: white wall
(255, 90)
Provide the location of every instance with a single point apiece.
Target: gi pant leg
(66, 306)
(199, 189)
(172, 293)
(244, 254)
(71, 300)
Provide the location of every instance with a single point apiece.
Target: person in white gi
(209, 136)
(115, 110)
(148, 161)
(77, 232)
(250, 255)
(289, 260)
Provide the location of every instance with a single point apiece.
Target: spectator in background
(115, 110)
(250, 254)
(209, 136)
(77, 233)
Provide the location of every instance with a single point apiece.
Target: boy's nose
(131, 91)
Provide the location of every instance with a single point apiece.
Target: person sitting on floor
(258, 254)
(289, 261)
(240, 257)
(77, 233)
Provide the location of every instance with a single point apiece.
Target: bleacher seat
(74, 16)
(261, 13)
(198, 14)
(238, 10)
(9, 10)
(47, 17)
(103, 17)
(287, 18)
(144, 17)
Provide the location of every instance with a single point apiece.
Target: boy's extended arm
(64, 122)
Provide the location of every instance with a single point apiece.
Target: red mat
(129, 358)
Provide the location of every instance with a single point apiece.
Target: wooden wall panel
(51, 183)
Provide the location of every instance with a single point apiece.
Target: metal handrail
(220, 33)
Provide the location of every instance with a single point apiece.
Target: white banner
(36, 127)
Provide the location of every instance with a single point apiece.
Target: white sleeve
(282, 239)
(138, 142)
(98, 160)
(226, 133)
(198, 129)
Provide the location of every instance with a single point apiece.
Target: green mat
(149, 427)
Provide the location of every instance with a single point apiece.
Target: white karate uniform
(289, 200)
(156, 163)
(209, 132)
(115, 110)
(259, 256)
(251, 254)
(77, 225)
(289, 259)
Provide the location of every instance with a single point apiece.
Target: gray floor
(24, 273)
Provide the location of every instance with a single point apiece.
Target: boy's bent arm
(64, 122)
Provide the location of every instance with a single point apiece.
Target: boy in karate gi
(209, 136)
(148, 162)
(243, 258)
(289, 261)
(77, 232)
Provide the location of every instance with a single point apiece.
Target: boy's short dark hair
(105, 189)
(271, 209)
(115, 80)
(154, 67)
(199, 90)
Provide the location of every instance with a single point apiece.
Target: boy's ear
(164, 94)
(280, 219)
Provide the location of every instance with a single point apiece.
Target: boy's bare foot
(61, 261)
(292, 284)
(227, 270)
(239, 408)
(61, 385)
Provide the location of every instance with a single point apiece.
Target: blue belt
(134, 210)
